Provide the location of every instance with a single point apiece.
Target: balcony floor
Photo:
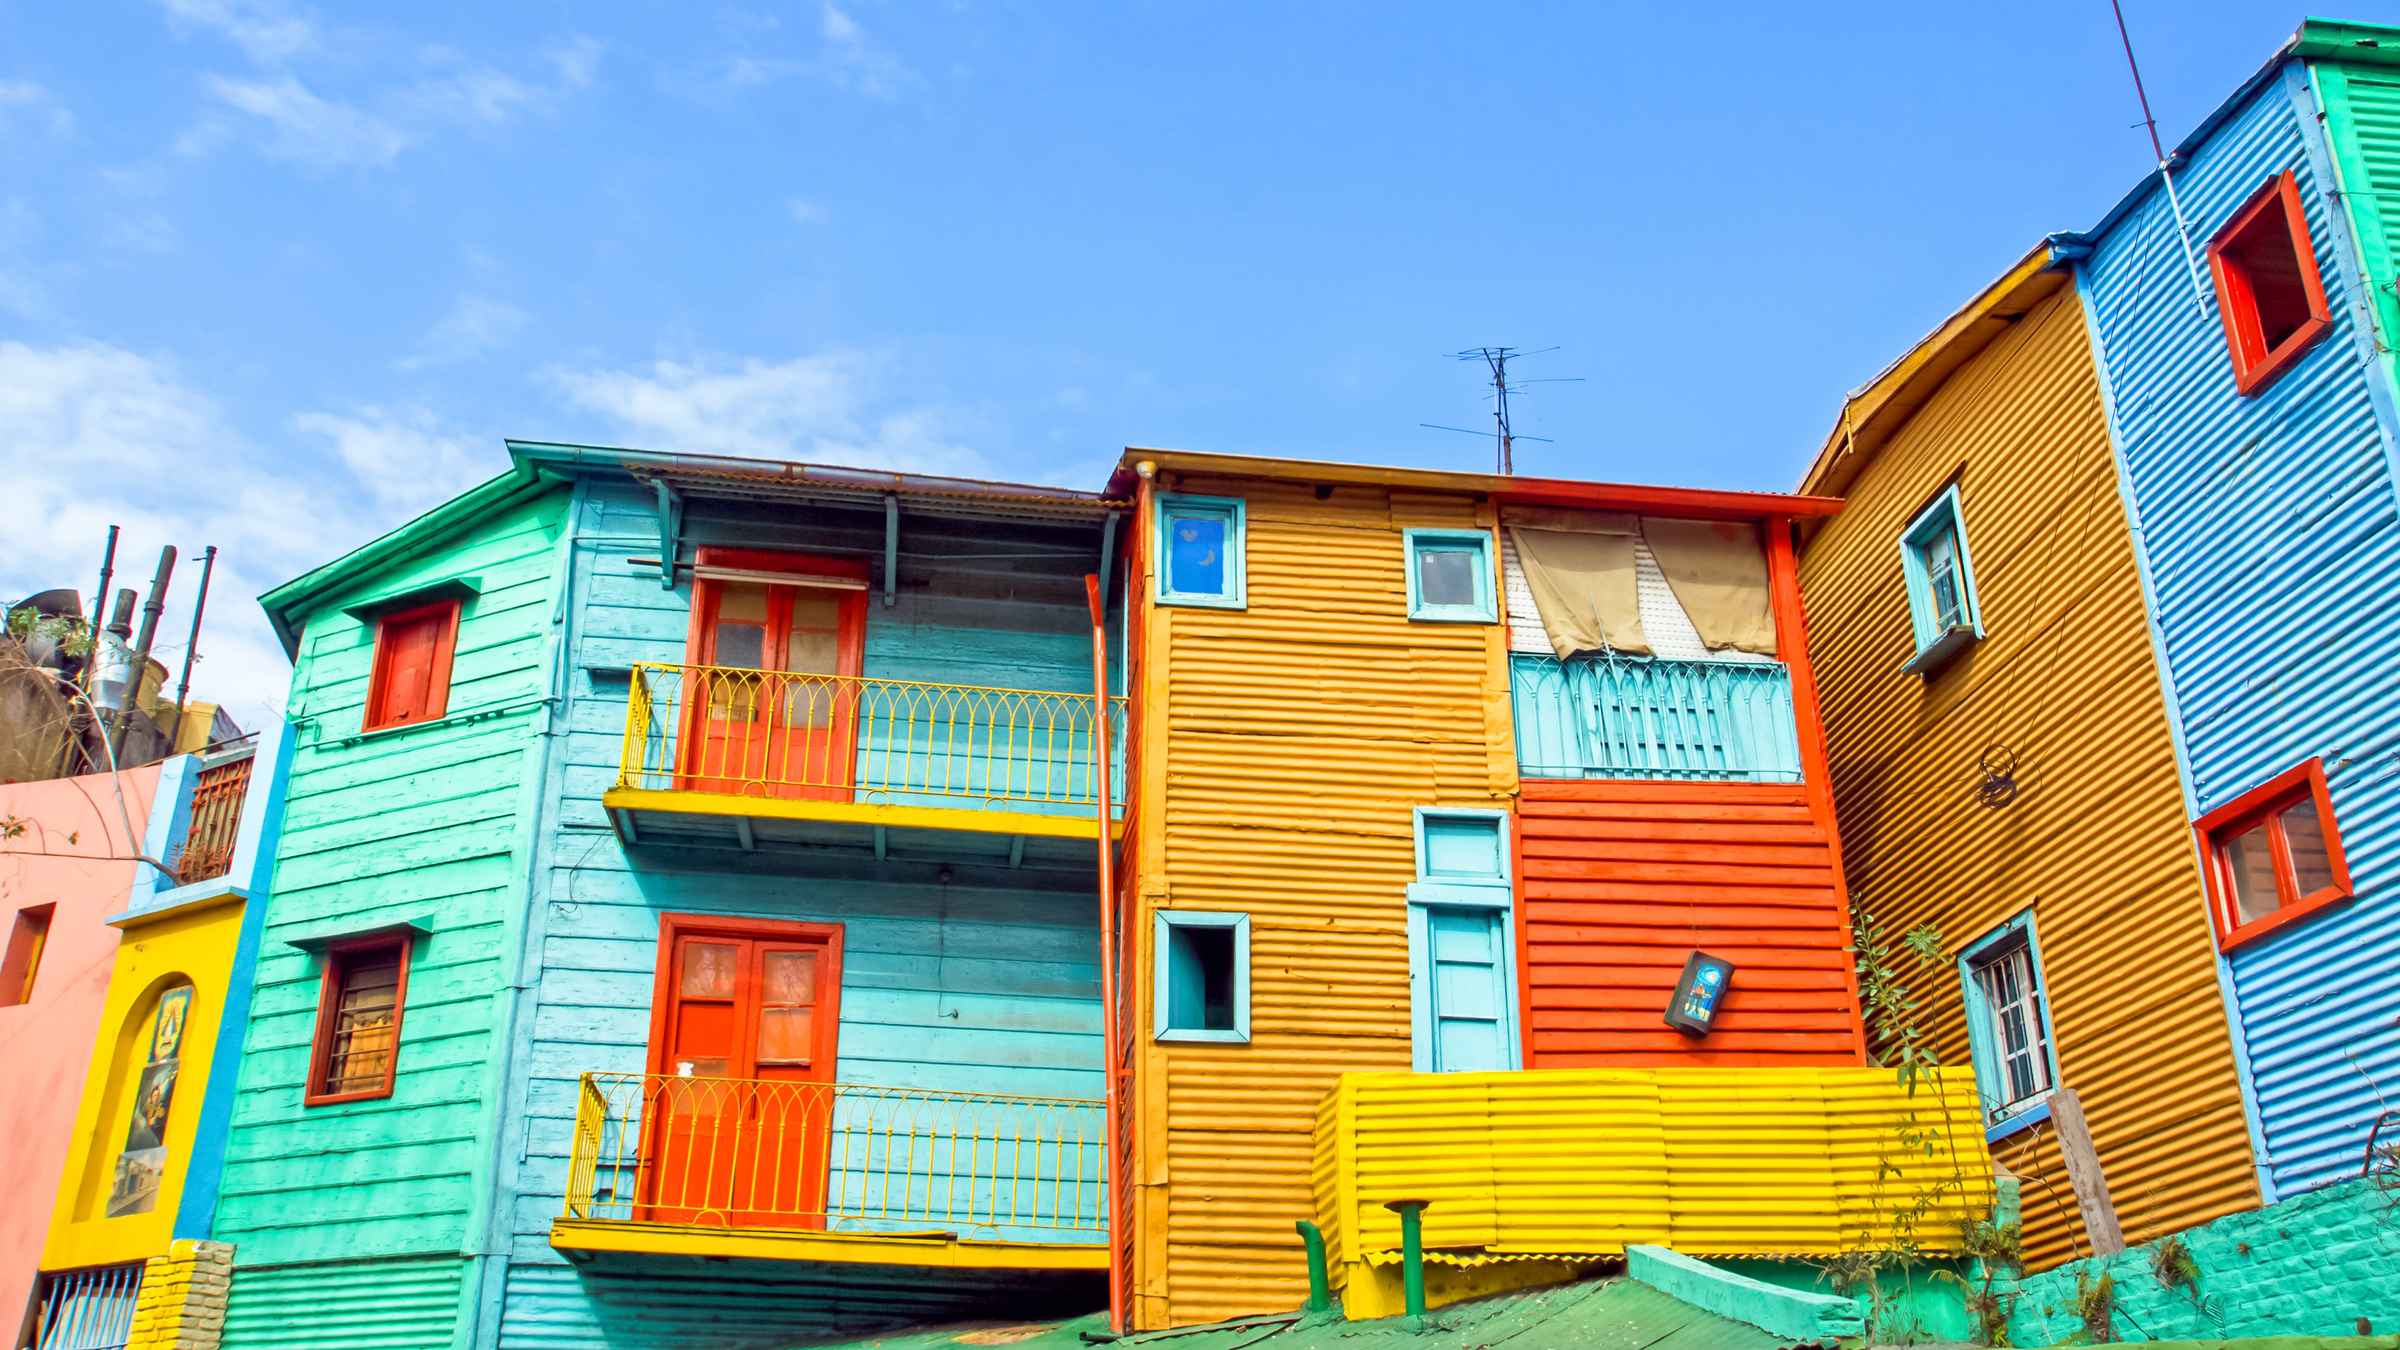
(937, 1249)
(1007, 832)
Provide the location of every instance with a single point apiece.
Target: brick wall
(2318, 1264)
(182, 1303)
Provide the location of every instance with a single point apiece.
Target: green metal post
(1412, 1254)
(1320, 1286)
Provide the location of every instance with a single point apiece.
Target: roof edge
(1870, 414)
(282, 602)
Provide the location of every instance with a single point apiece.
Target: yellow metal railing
(767, 733)
(751, 1153)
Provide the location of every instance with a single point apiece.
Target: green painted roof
(1608, 1314)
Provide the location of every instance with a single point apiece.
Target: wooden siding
(1285, 748)
(2095, 842)
(342, 1306)
(417, 823)
(986, 983)
(1618, 882)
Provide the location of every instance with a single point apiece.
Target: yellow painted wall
(2095, 843)
(194, 945)
(1572, 1165)
(1286, 747)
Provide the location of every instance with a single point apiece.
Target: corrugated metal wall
(410, 1303)
(1710, 1162)
(1287, 746)
(2096, 842)
(2275, 553)
(1618, 882)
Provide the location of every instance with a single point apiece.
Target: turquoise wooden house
(687, 926)
(2245, 329)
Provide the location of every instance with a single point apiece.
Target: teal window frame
(1163, 983)
(1235, 514)
(2003, 1116)
(1940, 515)
(1494, 890)
(1486, 606)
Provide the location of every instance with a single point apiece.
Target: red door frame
(699, 649)
(673, 928)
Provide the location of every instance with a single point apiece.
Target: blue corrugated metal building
(2252, 419)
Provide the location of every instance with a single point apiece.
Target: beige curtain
(1580, 568)
(1718, 571)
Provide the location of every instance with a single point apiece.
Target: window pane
(1196, 554)
(2269, 260)
(2250, 861)
(2019, 1052)
(741, 633)
(1446, 575)
(791, 977)
(365, 1002)
(2305, 832)
(708, 969)
(786, 1035)
(1943, 581)
(1200, 978)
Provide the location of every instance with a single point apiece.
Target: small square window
(1203, 976)
(23, 960)
(410, 679)
(2008, 1026)
(2273, 855)
(1200, 551)
(1462, 846)
(356, 1052)
(2269, 295)
(1450, 576)
(1934, 565)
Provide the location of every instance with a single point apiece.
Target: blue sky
(276, 277)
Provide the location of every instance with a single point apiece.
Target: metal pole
(108, 566)
(1320, 1284)
(1412, 1253)
(2183, 231)
(1111, 1159)
(191, 646)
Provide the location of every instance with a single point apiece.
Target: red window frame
(2255, 365)
(339, 958)
(437, 676)
(2263, 805)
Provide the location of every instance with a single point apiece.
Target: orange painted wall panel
(1618, 882)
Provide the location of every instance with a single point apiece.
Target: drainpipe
(1320, 1286)
(1111, 1157)
(1412, 1254)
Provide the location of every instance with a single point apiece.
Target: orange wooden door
(775, 712)
(743, 1039)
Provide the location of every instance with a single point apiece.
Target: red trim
(329, 990)
(437, 675)
(2265, 803)
(2254, 365)
(1517, 920)
(1816, 769)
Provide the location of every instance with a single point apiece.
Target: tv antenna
(1504, 436)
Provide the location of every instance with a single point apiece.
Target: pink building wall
(74, 852)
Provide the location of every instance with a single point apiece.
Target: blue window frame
(1940, 575)
(1200, 553)
(1462, 945)
(2008, 1027)
(1201, 972)
(1450, 576)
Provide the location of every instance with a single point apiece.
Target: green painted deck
(1607, 1314)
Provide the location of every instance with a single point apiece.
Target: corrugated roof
(1607, 1314)
(795, 481)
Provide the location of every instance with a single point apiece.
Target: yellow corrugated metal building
(2002, 404)
(1289, 743)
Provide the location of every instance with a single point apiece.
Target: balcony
(1723, 721)
(835, 1172)
(767, 758)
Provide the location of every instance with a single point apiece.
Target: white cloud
(475, 325)
(25, 103)
(825, 408)
(93, 435)
(307, 129)
(806, 212)
(575, 60)
(267, 31)
(856, 61)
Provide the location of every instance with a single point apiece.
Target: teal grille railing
(1622, 717)
(88, 1309)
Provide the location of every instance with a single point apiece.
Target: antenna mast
(1504, 436)
(2183, 231)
